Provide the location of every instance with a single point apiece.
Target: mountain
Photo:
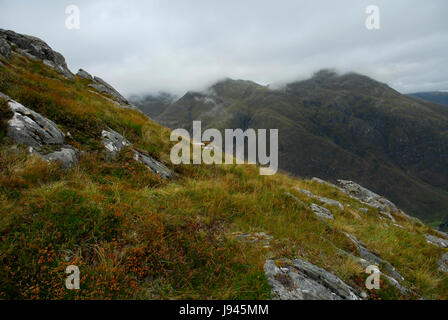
(339, 126)
(86, 181)
(435, 96)
(153, 104)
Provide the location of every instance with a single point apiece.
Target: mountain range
(336, 126)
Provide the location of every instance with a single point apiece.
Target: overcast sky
(175, 46)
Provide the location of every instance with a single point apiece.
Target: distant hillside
(435, 96)
(336, 126)
(153, 104)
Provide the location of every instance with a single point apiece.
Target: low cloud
(177, 45)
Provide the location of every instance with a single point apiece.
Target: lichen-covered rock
(442, 243)
(29, 128)
(330, 202)
(34, 48)
(321, 212)
(301, 280)
(115, 142)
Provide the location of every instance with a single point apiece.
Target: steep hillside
(85, 180)
(435, 96)
(339, 126)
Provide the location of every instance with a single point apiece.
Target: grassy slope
(134, 235)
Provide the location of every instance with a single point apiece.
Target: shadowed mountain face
(153, 104)
(436, 96)
(339, 126)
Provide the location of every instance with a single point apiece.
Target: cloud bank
(175, 45)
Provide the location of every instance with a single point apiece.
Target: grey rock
(442, 243)
(302, 280)
(321, 212)
(5, 48)
(30, 128)
(84, 74)
(103, 87)
(34, 48)
(115, 142)
(65, 157)
(330, 202)
(443, 263)
(367, 196)
(154, 165)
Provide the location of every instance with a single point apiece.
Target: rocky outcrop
(33, 48)
(30, 128)
(301, 280)
(442, 243)
(115, 142)
(330, 202)
(84, 74)
(39, 133)
(367, 196)
(103, 87)
(321, 212)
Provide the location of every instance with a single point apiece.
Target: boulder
(321, 212)
(33, 48)
(66, 157)
(29, 128)
(301, 280)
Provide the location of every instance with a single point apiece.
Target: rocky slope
(85, 180)
(339, 127)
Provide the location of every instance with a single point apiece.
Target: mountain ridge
(351, 114)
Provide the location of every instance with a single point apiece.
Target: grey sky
(170, 45)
